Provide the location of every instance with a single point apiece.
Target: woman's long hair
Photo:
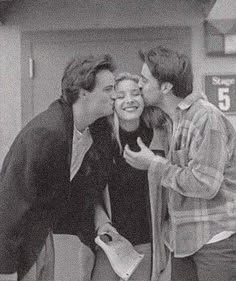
(153, 117)
(114, 119)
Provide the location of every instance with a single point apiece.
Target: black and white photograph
(117, 140)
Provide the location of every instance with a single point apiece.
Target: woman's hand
(106, 228)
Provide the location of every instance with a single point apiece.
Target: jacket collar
(69, 125)
(190, 99)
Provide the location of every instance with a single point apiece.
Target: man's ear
(166, 87)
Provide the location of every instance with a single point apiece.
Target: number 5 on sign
(224, 99)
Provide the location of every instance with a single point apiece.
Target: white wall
(10, 84)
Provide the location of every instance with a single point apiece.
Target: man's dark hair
(81, 73)
(169, 66)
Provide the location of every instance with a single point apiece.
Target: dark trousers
(213, 262)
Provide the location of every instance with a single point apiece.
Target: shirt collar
(190, 99)
(79, 134)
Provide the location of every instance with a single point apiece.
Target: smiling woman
(129, 103)
(128, 187)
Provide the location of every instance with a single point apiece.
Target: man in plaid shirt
(199, 171)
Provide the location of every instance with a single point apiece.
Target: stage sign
(221, 91)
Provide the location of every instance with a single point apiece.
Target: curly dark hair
(169, 66)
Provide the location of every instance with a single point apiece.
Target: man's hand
(140, 160)
(106, 228)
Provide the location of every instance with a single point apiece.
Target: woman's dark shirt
(128, 188)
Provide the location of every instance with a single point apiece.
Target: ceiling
(5, 7)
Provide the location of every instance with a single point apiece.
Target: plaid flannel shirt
(200, 175)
